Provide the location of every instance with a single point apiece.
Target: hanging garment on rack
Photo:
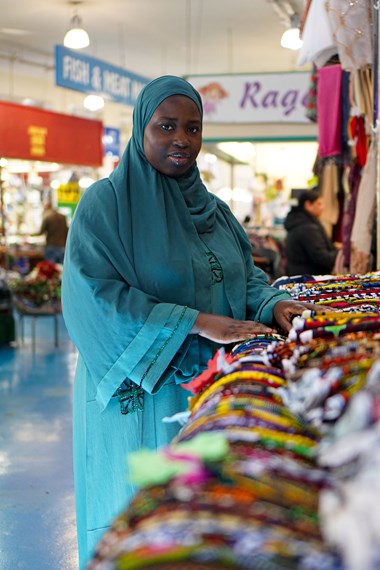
(329, 109)
(329, 187)
(351, 27)
(304, 15)
(346, 112)
(354, 178)
(318, 42)
(362, 94)
(356, 128)
(361, 237)
(311, 99)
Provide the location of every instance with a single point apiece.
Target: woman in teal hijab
(157, 275)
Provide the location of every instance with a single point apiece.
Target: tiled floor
(37, 517)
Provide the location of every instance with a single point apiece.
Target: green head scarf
(199, 202)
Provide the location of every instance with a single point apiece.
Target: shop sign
(83, 73)
(68, 193)
(35, 134)
(111, 142)
(256, 98)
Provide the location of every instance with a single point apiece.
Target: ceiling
(152, 37)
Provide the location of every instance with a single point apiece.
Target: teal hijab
(201, 204)
(160, 214)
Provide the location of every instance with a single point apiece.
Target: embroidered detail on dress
(131, 396)
(216, 268)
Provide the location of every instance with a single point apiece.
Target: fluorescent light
(76, 37)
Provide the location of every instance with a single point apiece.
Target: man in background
(54, 226)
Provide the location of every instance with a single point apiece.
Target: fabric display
(338, 40)
(334, 383)
(260, 473)
(348, 293)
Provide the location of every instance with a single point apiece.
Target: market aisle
(37, 517)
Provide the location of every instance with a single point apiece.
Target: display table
(277, 463)
(49, 309)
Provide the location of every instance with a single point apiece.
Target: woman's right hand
(225, 330)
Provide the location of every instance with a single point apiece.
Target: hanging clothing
(358, 138)
(144, 255)
(311, 98)
(354, 178)
(318, 42)
(362, 96)
(363, 226)
(308, 249)
(329, 188)
(329, 110)
(351, 28)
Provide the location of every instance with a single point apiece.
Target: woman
(308, 249)
(158, 273)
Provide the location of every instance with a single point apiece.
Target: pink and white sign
(256, 98)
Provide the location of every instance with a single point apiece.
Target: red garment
(357, 133)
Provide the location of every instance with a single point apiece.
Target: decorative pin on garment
(131, 397)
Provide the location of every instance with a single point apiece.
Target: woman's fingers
(225, 329)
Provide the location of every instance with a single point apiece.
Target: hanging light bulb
(93, 102)
(291, 37)
(76, 37)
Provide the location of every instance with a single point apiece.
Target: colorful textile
(296, 414)
(254, 504)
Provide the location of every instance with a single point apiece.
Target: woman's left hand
(285, 311)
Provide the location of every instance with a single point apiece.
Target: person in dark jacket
(308, 249)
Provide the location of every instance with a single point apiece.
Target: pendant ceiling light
(76, 37)
(291, 37)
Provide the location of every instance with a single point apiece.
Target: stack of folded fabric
(243, 483)
(239, 486)
(346, 293)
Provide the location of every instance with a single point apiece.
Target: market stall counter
(280, 439)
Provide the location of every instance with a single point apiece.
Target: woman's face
(173, 136)
(314, 208)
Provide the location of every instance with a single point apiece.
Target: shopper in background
(54, 227)
(158, 274)
(308, 249)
